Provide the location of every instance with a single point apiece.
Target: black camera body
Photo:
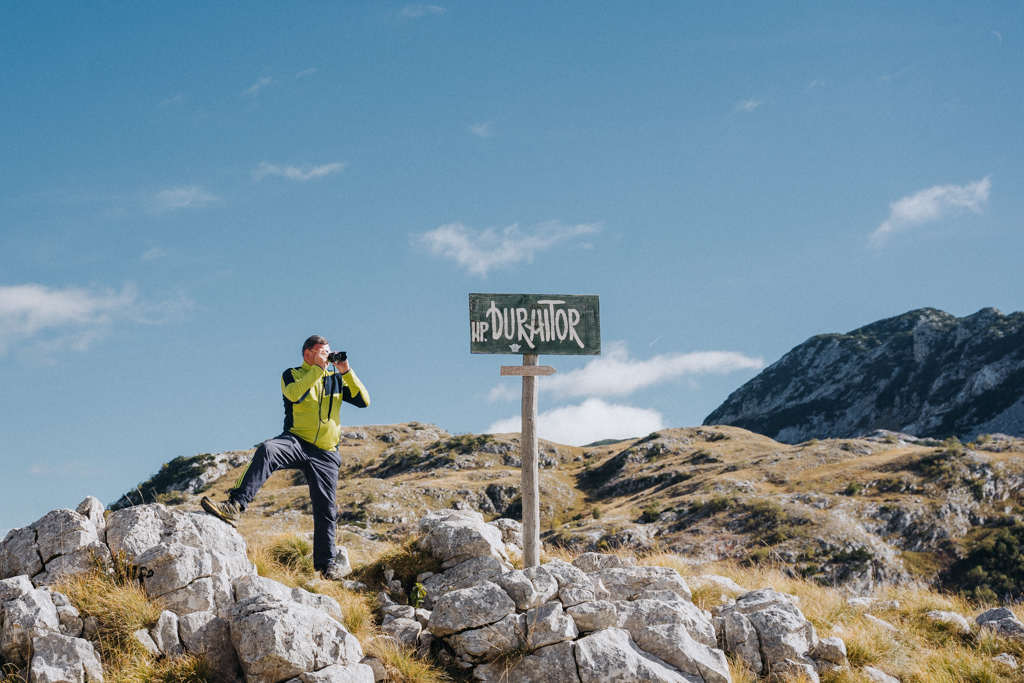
(337, 357)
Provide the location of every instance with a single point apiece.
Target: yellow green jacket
(312, 402)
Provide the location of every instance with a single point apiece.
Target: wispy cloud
(616, 374)
(191, 197)
(588, 422)
(999, 36)
(479, 252)
(931, 205)
(154, 253)
(295, 172)
(749, 105)
(305, 72)
(415, 11)
(259, 85)
(816, 83)
(73, 317)
(482, 130)
(177, 99)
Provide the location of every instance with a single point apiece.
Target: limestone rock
(611, 656)
(92, 509)
(627, 583)
(80, 561)
(637, 614)
(19, 554)
(277, 640)
(722, 583)
(492, 640)
(14, 588)
(511, 532)
(377, 667)
(595, 562)
(405, 631)
(143, 638)
(831, 650)
(551, 664)
(784, 634)
(662, 595)
(1002, 621)
(881, 623)
(339, 673)
(31, 616)
(60, 532)
(422, 616)
(455, 536)
(400, 611)
(473, 607)
(878, 676)
(251, 585)
(463, 575)
(547, 625)
(61, 659)
(205, 632)
(738, 637)
(1007, 660)
(165, 635)
(956, 621)
(593, 616)
(529, 588)
(673, 644)
(574, 586)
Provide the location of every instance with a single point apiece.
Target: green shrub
(650, 513)
(993, 567)
(596, 513)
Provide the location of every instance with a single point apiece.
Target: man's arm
(293, 389)
(353, 390)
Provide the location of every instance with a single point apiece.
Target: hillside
(859, 513)
(925, 373)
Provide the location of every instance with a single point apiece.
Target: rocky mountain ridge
(925, 373)
(861, 513)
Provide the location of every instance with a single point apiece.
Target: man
(312, 401)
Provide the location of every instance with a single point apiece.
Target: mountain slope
(925, 373)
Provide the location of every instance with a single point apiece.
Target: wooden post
(531, 476)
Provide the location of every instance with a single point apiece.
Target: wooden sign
(555, 324)
(527, 370)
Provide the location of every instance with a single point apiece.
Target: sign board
(548, 324)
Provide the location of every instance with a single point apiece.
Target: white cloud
(506, 391)
(415, 11)
(482, 130)
(931, 205)
(593, 420)
(177, 99)
(616, 374)
(305, 72)
(192, 197)
(154, 253)
(816, 83)
(749, 105)
(296, 173)
(255, 88)
(999, 36)
(478, 252)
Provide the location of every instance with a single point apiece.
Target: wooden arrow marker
(528, 370)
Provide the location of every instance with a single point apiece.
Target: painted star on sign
(514, 347)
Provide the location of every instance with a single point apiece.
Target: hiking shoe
(335, 571)
(228, 511)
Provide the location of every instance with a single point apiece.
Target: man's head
(312, 346)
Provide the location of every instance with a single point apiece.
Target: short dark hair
(313, 341)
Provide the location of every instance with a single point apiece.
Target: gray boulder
(593, 616)
(551, 664)
(673, 644)
(13, 588)
(455, 536)
(68, 544)
(955, 621)
(785, 635)
(251, 585)
(574, 586)
(165, 635)
(547, 625)
(70, 620)
(529, 588)
(277, 640)
(511, 533)
(338, 673)
(473, 607)
(31, 616)
(627, 583)
(831, 650)
(1002, 621)
(61, 659)
(463, 575)
(19, 554)
(143, 638)
(491, 641)
(637, 614)
(611, 656)
(92, 509)
(206, 633)
(405, 631)
(878, 676)
(736, 635)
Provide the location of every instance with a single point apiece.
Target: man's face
(314, 352)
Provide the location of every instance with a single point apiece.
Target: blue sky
(188, 190)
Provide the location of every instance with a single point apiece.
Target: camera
(337, 357)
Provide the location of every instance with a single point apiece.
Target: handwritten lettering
(546, 321)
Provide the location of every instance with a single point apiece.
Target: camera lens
(337, 357)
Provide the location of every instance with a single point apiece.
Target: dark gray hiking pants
(289, 452)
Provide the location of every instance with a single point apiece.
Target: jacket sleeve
(293, 389)
(354, 391)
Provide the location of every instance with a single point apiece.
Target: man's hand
(320, 356)
(342, 367)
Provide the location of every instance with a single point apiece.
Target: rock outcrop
(925, 373)
(245, 625)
